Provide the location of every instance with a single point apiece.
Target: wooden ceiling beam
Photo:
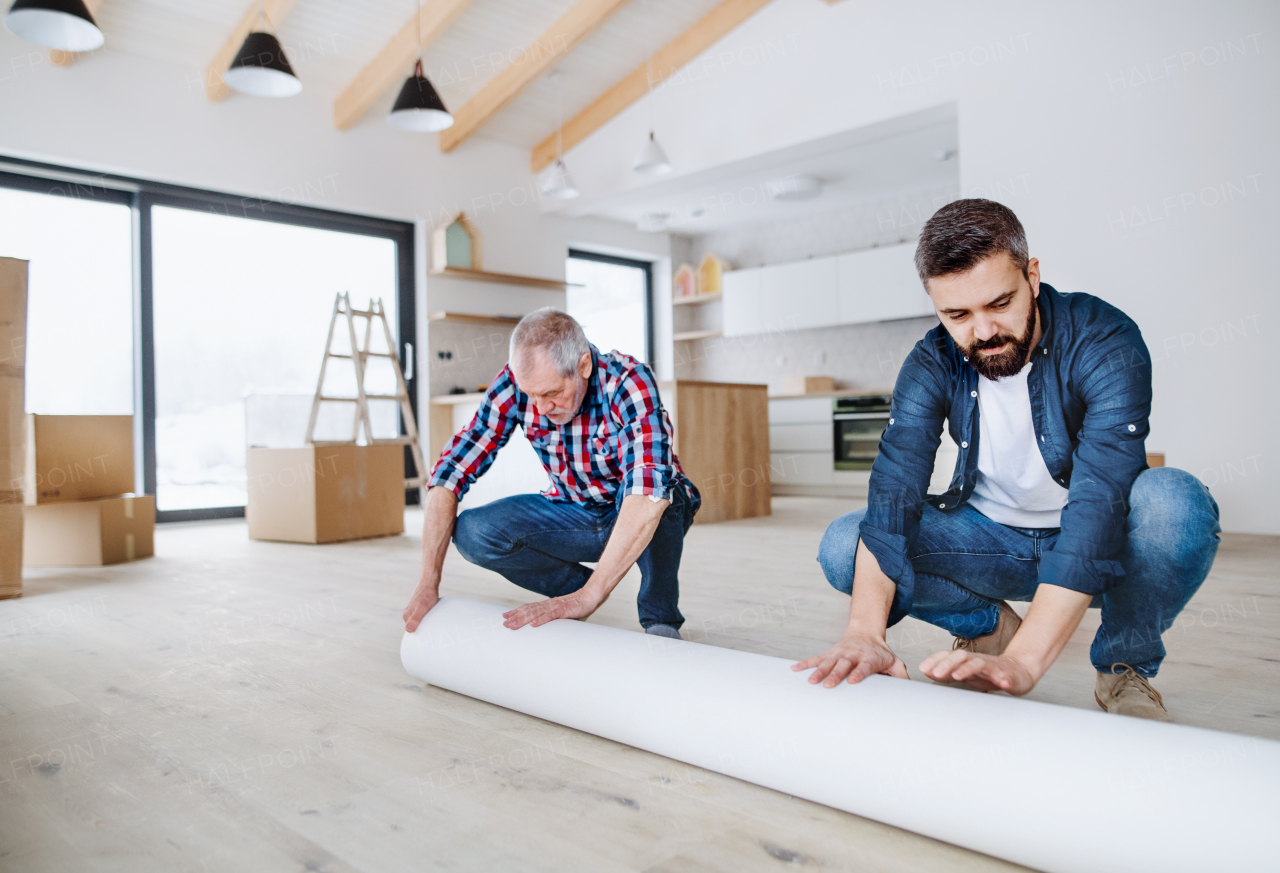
(277, 11)
(709, 30)
(394, 60)
(58, 57)
(560, 39)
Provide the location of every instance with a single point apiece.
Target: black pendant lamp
(419, 107)
(55, 24)
(261, 68)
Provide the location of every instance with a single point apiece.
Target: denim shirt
(1090, 387)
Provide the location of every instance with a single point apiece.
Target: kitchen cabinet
(781, 297)
(879, 285)
(873, 285)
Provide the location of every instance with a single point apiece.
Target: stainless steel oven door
(857, 438)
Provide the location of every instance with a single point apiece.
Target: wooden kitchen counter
(722, 440)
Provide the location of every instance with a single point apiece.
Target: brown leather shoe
(993, 643)
(1127, 693)
(997, 641)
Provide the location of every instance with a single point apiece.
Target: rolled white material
(1051, 787)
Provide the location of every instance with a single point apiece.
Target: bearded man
(1047, 396)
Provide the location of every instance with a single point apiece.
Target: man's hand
(856, 656)
(983, 672)
(579, 604)
(419, 605)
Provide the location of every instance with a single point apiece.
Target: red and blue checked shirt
(620, 439)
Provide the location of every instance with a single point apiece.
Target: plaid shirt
(619, 440)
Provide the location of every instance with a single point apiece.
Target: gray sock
(663, 630)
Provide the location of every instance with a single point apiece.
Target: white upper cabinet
(872, 285)
(781, 298)
(880, 284)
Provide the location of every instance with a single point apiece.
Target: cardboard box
(10, 550)
(13, 439)
(13, 316)
(789, 385)
(90, 533)
(77, 457)
(325, 494)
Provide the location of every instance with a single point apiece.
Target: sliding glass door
(242, 309)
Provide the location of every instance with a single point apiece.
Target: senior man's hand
(579, 604)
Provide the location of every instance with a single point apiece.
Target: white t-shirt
(1013, 486)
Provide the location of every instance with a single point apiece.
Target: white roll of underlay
(1051, 787)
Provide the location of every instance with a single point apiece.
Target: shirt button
(942, 506)
(966, 359)
(973, 393)
(964, 445)
(1132, 428)
(1046, 351)
(1041, 439)
(891, 421)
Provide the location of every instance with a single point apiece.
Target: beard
(1009, 362)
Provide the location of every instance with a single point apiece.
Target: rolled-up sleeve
(473, 449)
(1115, 385)
(901, 471)
(645, 437)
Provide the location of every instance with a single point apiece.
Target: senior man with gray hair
(617, 494)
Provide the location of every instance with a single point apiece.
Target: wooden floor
(240, 706)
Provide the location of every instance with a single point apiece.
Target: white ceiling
(329, 41)
(864, 164)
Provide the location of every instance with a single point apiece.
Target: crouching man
(617, 493)
(1047, 396)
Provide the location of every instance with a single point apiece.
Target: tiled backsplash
(861, 357)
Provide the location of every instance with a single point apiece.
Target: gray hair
(556, 333)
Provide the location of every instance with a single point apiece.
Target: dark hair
(961, 234)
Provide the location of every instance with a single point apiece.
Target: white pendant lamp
(419, 108)
(56, 24)
(652, 160)
(554, 181)
(260, 68)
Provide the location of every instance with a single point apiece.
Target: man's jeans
(538, 543)
(964, 561)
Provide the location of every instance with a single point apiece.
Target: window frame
(140, 195)
(647, 266)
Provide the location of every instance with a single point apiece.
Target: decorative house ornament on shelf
(710, 274)
(260, 68)
(457, 244)
(66, 25)
(685, 281)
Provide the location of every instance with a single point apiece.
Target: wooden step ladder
(359, 355)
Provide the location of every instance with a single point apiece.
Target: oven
(859, 422)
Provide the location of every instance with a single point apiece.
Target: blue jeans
(538, 543)
(964, 562)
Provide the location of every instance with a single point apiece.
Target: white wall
(1136, 141)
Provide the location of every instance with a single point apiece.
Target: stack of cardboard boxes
(76, 484)
(13, 341)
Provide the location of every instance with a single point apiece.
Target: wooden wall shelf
(503, 279)
(466, 318)
(697, 298)
(690, 335)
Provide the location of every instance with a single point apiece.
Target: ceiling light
(652, 160)
(945, 154)
(55, 24)
(419, 107)
(654, 222)
(794, 188)
(555, 182)
(261, 69)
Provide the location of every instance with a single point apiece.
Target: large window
(79, 296)
(203, 314)
(242, 310)
(612, 298)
